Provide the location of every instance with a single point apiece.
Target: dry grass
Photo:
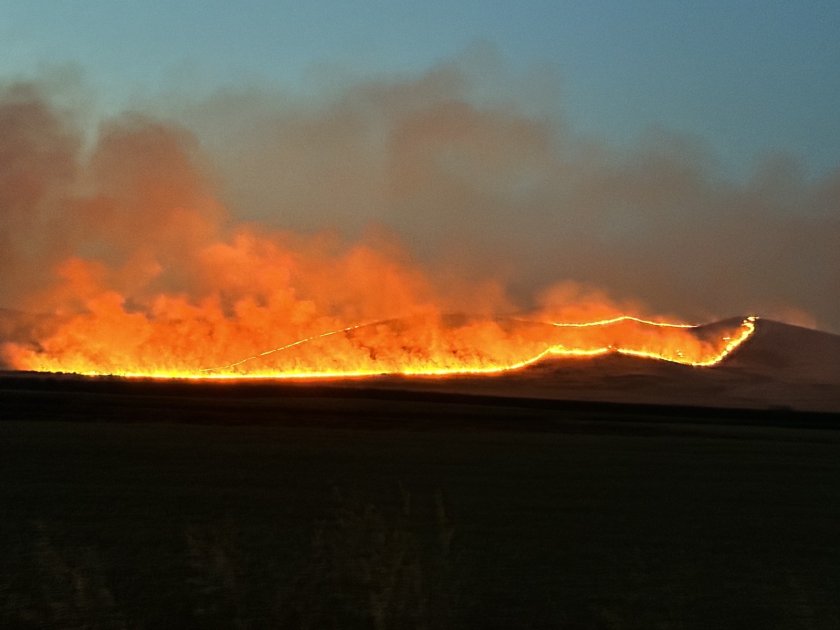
(72, 589)
(109, 525)
(368, 567)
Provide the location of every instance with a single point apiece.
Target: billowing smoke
(253, 211)
(493, 190)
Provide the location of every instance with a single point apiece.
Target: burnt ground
(165, 504)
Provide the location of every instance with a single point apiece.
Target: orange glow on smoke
(143, 272)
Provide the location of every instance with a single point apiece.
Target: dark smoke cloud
(479, 190)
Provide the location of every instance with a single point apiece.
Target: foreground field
(148, 507)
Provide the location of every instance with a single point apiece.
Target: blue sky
(745, 77)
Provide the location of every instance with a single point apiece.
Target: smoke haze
(497, 192)
(389, 198)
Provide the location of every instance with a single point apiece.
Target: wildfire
(429, 345)
(125, 261)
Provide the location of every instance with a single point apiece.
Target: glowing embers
(431, 345)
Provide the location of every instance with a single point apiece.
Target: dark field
(156, 505)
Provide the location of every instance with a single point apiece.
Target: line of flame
(281, 348)
(746, 329)
(615, 320)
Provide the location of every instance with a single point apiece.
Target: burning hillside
(134, 345)
(129, 258)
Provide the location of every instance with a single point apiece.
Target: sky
(747, 77)
(685, 156)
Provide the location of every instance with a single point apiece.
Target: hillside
(779, 366)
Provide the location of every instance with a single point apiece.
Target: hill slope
(792, 352)
(779, 366)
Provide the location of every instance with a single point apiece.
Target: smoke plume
(496, 191)
(219, 220)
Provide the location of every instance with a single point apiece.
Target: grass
(367, 567)
(154, 525)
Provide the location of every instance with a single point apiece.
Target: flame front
(429, 345)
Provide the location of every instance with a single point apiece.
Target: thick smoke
(252, 209)
(493, 190)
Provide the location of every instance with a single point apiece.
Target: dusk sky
(746, 77)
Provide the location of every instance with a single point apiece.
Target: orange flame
(154, 278)
(429, 345)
